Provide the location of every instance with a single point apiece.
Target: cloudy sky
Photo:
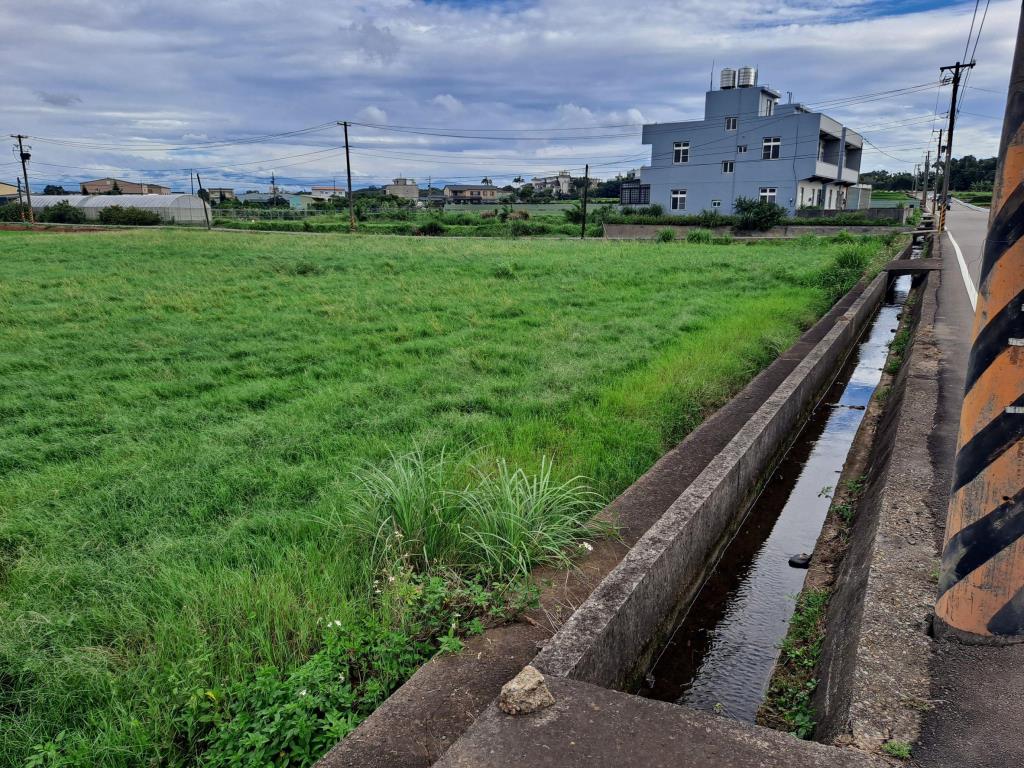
(469, 88)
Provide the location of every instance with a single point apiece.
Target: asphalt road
(967, 226)
(974, 716)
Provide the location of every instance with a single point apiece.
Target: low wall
(650, 231)
(608, 639)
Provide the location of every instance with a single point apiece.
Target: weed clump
(700, 235)
(666, 235)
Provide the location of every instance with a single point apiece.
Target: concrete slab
(910, 266)
(592, 727)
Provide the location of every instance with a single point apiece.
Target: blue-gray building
(747, 145)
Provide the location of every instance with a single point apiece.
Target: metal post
(586, 188)
(935, 189)
(206, 210)
(981, 586)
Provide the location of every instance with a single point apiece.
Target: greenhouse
(172, 209)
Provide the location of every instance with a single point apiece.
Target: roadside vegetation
(250, 484)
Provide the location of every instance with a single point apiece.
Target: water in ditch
(721, 654)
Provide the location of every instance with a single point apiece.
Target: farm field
(192, 564)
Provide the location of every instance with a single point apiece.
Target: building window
(634, 193)
(678, 199)
(716, 204)
(681, 152)
(769, 107)
(730, 123)
(767, 194)
(771, 147)
(727, 166)
(741, 148)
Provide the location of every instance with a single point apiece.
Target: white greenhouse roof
(134, 201)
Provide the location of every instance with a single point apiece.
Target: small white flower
(376, 591)
(302, 692)
(391, 579)
(587, 546)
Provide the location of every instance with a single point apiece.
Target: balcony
(830, 172)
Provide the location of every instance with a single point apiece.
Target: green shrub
(722, 240)
(757, 215)
(699, 235)
(14, 212)
(899, 749)
(666, 235)
(129, 216)
(712, 219)
(62, 213)
(430, 229)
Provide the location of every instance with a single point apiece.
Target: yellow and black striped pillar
(981, 586)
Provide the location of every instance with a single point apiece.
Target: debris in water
(803, 560)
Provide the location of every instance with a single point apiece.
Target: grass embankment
(983, 199)
(206, 553)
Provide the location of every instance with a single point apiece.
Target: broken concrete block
(525, 693)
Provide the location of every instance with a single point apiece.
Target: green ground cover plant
(251, 482)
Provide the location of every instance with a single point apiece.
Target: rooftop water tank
(747, 77)
(728, 78)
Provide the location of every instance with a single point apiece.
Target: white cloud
(448, 103)
(160, 75)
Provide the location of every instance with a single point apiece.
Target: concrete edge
(874, 676)
(608, 637)
(593, 727)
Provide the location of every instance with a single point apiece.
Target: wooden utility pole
(981, 582)
(586, 188)
(956, 69)
(25, 156)
(206, 210)
(917, 174)
(935, 189)
(348, 173)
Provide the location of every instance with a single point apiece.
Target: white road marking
(972, 292)
(977, 208)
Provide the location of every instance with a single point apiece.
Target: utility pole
(938, 160)
(21, 209)
(586, 188)
(981, 582)
(206, 210)
(957, 69)
(917, 174)
(924, 181)
(25, 156)
(192, 182)
(348, 173)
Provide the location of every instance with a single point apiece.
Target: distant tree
(486, 180)
(53, 189)
(204, 194)
(518, 180)
(115, 189)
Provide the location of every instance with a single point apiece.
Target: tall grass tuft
(430, 513)
(515, 521)
(700, 235)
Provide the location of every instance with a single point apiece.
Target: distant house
(471, 193)
(220, 194)
(8, 192)
(321, 193)
(258, 197)
(560, 183)
(106, 186)
(406, 188)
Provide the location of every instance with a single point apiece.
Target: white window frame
(771, 148)
(728, 166)
(680, 152)
(731, 123)
(716, 204)
(741, 148)
(767, 194)
(677, 200)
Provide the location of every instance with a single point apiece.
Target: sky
(456, 90)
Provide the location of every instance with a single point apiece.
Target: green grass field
(183, 412)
